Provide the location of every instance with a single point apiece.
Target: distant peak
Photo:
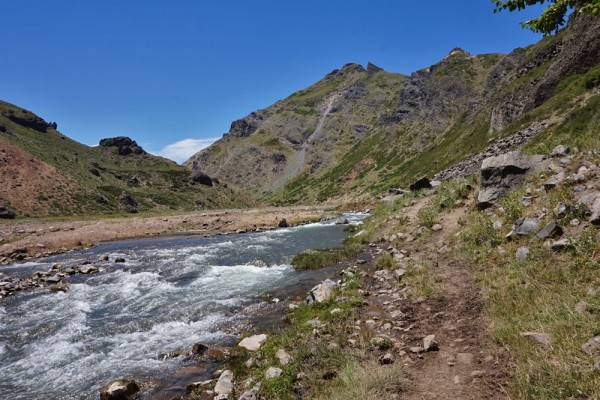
(124, 145)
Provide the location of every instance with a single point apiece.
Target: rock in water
(121, 389)
(503, 172)
(283, 223)
(253, 343)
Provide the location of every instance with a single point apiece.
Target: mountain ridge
(309, 147)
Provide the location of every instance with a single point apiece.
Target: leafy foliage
(553, 16)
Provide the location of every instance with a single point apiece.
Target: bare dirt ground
(468, 365)
(44, 237)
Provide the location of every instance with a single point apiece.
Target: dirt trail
(468, 365)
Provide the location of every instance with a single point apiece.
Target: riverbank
(25, 239)
(452, 301)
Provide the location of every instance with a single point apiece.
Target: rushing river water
(170, 294)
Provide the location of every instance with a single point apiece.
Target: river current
(169, 294)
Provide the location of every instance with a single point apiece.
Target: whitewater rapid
(169, 294)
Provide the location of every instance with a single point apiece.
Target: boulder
(551, 229)
(538, 337)
(560, 151)
(322, 292)
(7, 213)
(386, 359)
(283, 357)
(592, 203)
(199, 348)
(128, 203)
(282, 223)
(503, 172)
(273, 372)
(253, 343)
(200, 177)
(524, 226)
(421, 183)
(429, 343)
(592, 346)
(250, 394)
(522, 253)
(121, 389)
(224, 386)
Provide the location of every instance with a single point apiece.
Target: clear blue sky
(165, 71)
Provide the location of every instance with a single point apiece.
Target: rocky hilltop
(363, 130)
(43, 172)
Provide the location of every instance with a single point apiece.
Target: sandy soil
(37, 238)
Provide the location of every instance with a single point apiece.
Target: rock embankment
(473, 164)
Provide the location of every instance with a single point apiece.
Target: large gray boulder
(503, 172)
(322, 292)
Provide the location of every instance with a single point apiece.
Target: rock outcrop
(503, 172)
(124, 145)
(7, 213)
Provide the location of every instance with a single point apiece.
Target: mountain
(364, 130)
(43, 172)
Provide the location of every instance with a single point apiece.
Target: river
(169, 294)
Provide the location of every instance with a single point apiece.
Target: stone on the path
(538, 337)
(120, 389)
(522, 253)
(503, 172)
(224, 385)
(551, 229)
(429, 343)
(386, 359)
(437, 227)
(283, 357)
(322, 292)
(476, 374)
(592, 346)
(560, 211)
(253, 343)
(416, 349)
(273, 372)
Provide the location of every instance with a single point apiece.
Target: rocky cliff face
(365, 129)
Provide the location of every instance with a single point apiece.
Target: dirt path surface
(20, 240)
(467, 365)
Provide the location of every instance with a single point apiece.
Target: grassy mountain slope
(44, 172)
(362, 131)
